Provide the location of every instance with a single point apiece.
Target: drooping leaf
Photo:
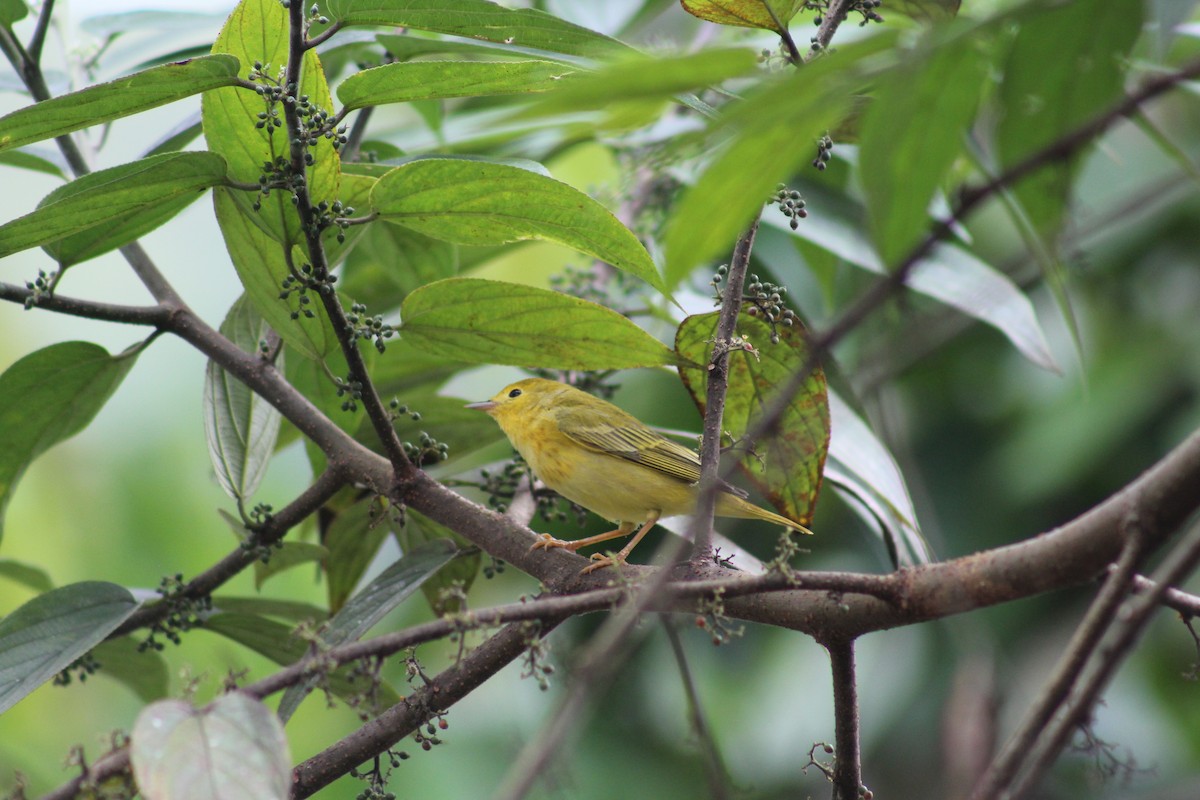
(143, 671)
(1066, 65)
(403, 47)
(43, 636)
(492, 322)
(232, 749)
(390, 588)
(108, 101)
(404, 82)
(352, 538)
(787, 466)
(257, 31)
(27, 575)
(950, 275)
(458, 574)
(241, 426)
(278, 642)
(49, 396)
(862, 467)
(106, 209)
(262, 266)
(771, 15)
(902, 158)
(478, 19)
(482, 203)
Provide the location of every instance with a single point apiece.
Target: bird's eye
(515, 393)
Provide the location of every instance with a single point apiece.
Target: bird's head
(520, 400)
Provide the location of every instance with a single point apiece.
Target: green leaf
(390, 261)
(787, 466)
(257, 30)
(950, 275)
(770, 15)
(477, 202)
(478, 19)
(291, 554)
(903, 159)
(42, 637)
(49, 396)
(862, 467)
(108, 101)
(240, 426)
(143, 671)
(262, 266)
(492, 322)
(292, 610)
(106, 209)
(12, 11)
(278, 642)
(639, 78)
(404, 47)
(770, 132)
(389, 589)
(404, 82)
(35, 163)
(232, 749)
(352, 537)
(923, 10)
(1066, 65)
(27, 575)
(461, 571)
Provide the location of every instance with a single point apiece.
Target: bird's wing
(633, 441)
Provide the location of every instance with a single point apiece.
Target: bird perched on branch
(608, 461)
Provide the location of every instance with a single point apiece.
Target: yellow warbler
(607, 461)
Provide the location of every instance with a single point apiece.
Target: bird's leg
(547, 541)
(619, 558)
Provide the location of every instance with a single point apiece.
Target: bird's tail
(729, 505)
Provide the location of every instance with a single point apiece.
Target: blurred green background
(993, 448)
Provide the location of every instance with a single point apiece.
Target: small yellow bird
(607, 461)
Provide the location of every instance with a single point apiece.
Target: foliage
(418, 201)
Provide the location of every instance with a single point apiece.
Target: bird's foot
(546, 541)
(600, 561)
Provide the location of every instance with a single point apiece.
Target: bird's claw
(601, 561)
(546, 541)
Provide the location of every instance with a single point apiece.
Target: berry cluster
(369, 327)
(43, 286)
(428, 450)
(502, 487)
(183, 613)
(536, 663)
(300, 284)
(824, 153)
(763, 299)
(791, 204)
(81, 668)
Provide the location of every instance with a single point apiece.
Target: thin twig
(381, 421)
(715, 771)
(1013, 756)
(155, 316)
(1127, 626)
(716, 388)
(273, 530)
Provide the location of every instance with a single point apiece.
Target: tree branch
(378, 414)
(847, 764)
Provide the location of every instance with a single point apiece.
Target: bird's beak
(485, 406)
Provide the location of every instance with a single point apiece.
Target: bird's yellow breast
(611, 486)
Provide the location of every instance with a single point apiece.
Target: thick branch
(403, 718)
